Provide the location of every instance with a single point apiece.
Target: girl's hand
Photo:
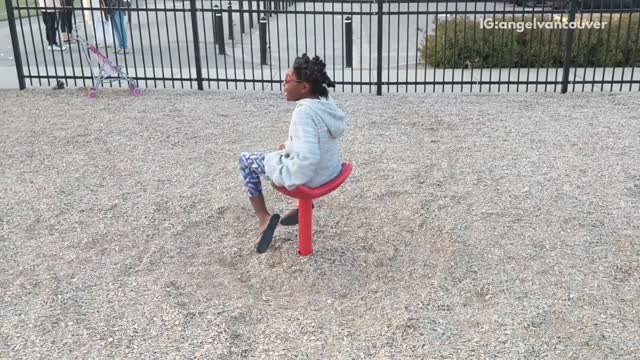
(280, 147)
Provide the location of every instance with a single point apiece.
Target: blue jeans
(120, 28)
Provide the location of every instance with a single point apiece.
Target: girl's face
(294, 89)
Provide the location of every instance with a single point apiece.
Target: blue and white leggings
(251, 168)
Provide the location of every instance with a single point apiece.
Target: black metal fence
(370, 46)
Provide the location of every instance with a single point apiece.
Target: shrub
(465, 43)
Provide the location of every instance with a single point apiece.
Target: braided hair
(312, 71)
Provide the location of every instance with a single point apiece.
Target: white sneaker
(57, 47)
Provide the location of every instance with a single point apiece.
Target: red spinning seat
(305, 195)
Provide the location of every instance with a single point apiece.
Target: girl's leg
(251, 168)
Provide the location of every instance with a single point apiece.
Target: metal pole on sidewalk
(263, 41)
(348, 34)
(215, 27)
(15, 44)
(220, 32)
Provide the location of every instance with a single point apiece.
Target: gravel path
(473, 226)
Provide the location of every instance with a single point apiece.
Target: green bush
(464, 43)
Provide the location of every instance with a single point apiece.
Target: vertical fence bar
(196, 44)
(626, 51)
(155, 8)
(253, 65)
(278, 46)
(379, 60)
(166, 22)
(230, 20)
(241, 7)
(233, 46)
(398, 50)
(250, 14)
(569, 45)
(244, 70)
(206, 47)
(426, 34)
(14, 43)
(464, 42)
(406, 73)
(388, 47)
(606, 49)
(617, 49)
(25, 47)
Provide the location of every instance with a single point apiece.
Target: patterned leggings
(251, 168)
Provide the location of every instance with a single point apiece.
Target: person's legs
(50, 26)
(120, 29)
(123, 31)
(67, 25)
(251, 168)
(116, 27)
(290, 218)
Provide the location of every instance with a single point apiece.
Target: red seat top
(303, 192)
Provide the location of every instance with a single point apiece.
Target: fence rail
(370, 46)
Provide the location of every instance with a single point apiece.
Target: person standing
(49, 9)
(117, 10)
(97, 23)
(66, 21)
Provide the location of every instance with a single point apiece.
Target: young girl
(311, 154)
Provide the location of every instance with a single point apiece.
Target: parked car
(597, 4)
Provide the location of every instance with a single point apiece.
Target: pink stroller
(108, 71)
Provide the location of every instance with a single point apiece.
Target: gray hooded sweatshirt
(311, 156)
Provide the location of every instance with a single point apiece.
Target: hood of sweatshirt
(329, 113)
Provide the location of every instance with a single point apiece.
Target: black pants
(50, 23)
(66, 21)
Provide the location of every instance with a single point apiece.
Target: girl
(311, 154)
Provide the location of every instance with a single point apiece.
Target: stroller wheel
(135, 91)
(92, 93)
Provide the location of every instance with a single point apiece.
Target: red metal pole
(305, 227)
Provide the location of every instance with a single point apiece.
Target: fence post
(196, 43)
(569, 44)
(379, 60)
(263, 40)
(15, 44)
(220, 32)
(348, 34)
(230, 21)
